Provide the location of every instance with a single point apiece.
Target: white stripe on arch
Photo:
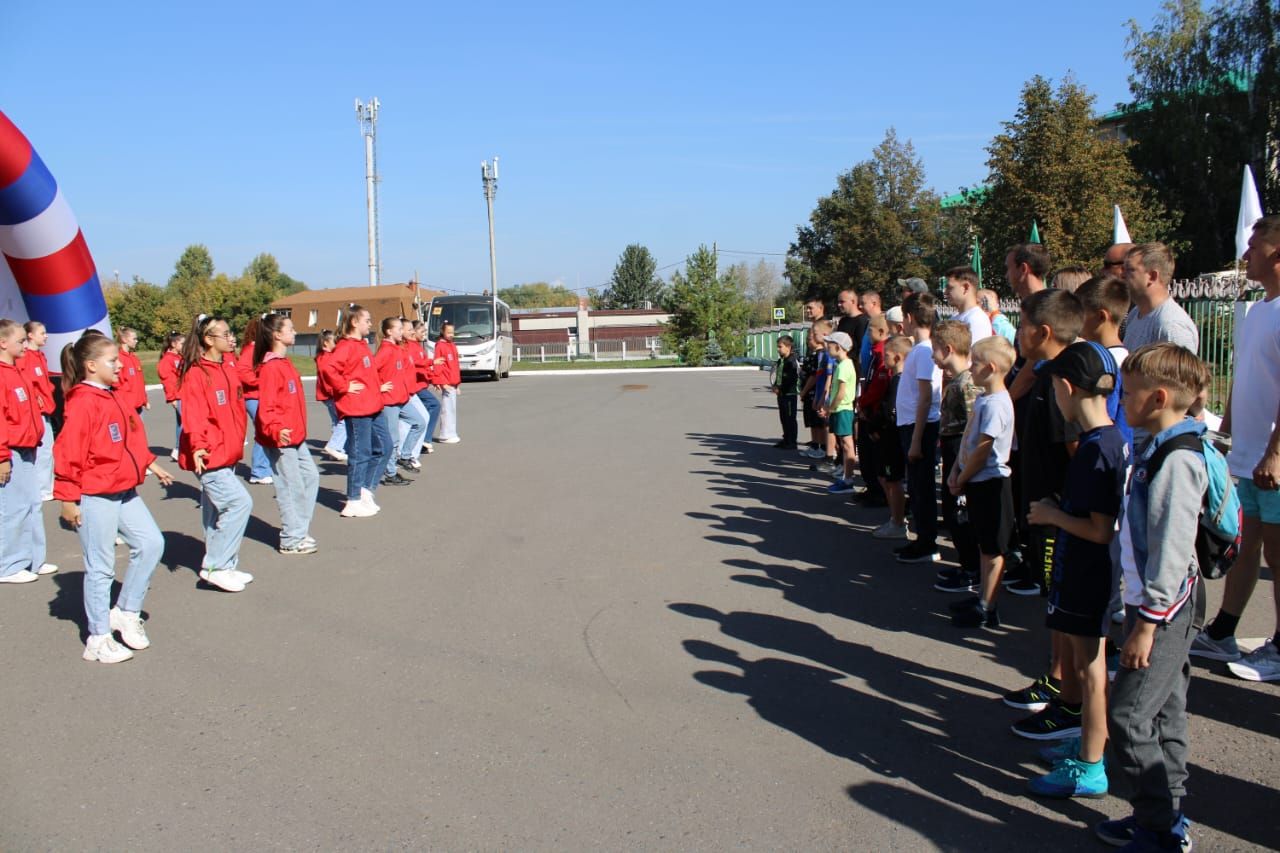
(41, 235)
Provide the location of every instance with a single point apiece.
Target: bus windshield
(472, 320)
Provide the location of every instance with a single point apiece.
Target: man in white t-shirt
(919, 405)
(1254, 460)
(962, 292)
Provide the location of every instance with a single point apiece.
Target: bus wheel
(496, 375)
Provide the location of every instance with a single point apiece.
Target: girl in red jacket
(448, 375)
(167, 369)
(357, 394)
(259, 465)
(22, 543)
(36, 368)
(395, 368)
(425, 382)
(133, 385)
(100, 460)
(335, 448)
(281, 430)
(213, 428)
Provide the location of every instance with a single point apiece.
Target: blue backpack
(1218, 534)
(1114, 410)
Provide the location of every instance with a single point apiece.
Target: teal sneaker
(1052, 755)
(1071, 778)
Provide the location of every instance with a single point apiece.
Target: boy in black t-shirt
(786, 385)
(1080, 588)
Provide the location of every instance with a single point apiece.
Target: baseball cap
(894, 314)
(840, 339)
(915, 285)
(1083, 364)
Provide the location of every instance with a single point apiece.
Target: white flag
(1119, 231)
(1250, 212)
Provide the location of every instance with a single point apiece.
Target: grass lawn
(530, 366)
(306, 365)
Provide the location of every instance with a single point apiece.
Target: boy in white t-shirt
(963, 286)
(918, 411)
(1253, 423)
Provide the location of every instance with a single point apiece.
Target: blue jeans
(177, 430)
(101, 518)
(368, 447)
(44, 460)
(432, 405)
(260, 465)
(297, 482)
(338, 434)
(21, 524)
(391, 417)
(412, 416)
(225, 506)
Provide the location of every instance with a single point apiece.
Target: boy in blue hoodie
(1164, 601)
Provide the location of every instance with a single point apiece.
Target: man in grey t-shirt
(1155, 317)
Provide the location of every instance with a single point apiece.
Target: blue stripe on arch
(70, 311)
(28, 196)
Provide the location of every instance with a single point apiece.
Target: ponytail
(74, 355)
(349, 315)
(193, 349)
(263, 341)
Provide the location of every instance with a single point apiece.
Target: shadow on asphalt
(900, 718)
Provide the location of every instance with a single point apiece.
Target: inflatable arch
(46, 271)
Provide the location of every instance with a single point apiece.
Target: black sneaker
(1034, 697)
(1120, 832)
(917, 553)
(947, 573)
(396, 480)
(1023, 586)
(960, 583)
(785, 445)
(976, 615)
(964, 604)
(1053, 723)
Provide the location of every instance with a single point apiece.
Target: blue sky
(667, 124)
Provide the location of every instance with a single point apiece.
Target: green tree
(265, 270)
(194, 265)
(700, 302)
(538, 294)
(880, 223)
(1050, 164)
(138, 306)
(1205, 87)
(634, 282)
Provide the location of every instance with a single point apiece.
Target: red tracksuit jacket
(248, 375)
(323, 391)
(282, 404)
(102, 446)
(132, 383)
(391, 363)
(418, 364)
(167, 368)
(449, 373)
(351, 361)
(23, 425)
(35, 367)
(213, 416)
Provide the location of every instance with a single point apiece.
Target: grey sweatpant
(1147, 721)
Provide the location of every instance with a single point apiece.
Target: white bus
(475, 319)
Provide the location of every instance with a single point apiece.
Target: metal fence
(622, 349)
(1216, 304)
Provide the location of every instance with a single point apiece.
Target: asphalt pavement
(612, 617)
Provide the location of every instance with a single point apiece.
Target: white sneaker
(103, 648)
(1261, 664)
(427, 448)
(244, 577)
(260, 481)
(889, 530)
(335, 455)
(130, 627)
(815, 453)
(46, 569)
(367, 496)
(453, 440)
(20, 576)
(46, 497)
(223, 579)
(310, 540)
(174, 455)
(357, 509)
(119, 540)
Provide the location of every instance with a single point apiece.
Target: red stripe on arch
(15, 152)
(66, 269)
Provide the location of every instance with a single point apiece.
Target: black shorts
(893, 462)
(812, 420)
(990, 506)
(1080, 600)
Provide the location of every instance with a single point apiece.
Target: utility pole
(489, 177)
(367, 117)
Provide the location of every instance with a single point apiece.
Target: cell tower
(367, 117)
